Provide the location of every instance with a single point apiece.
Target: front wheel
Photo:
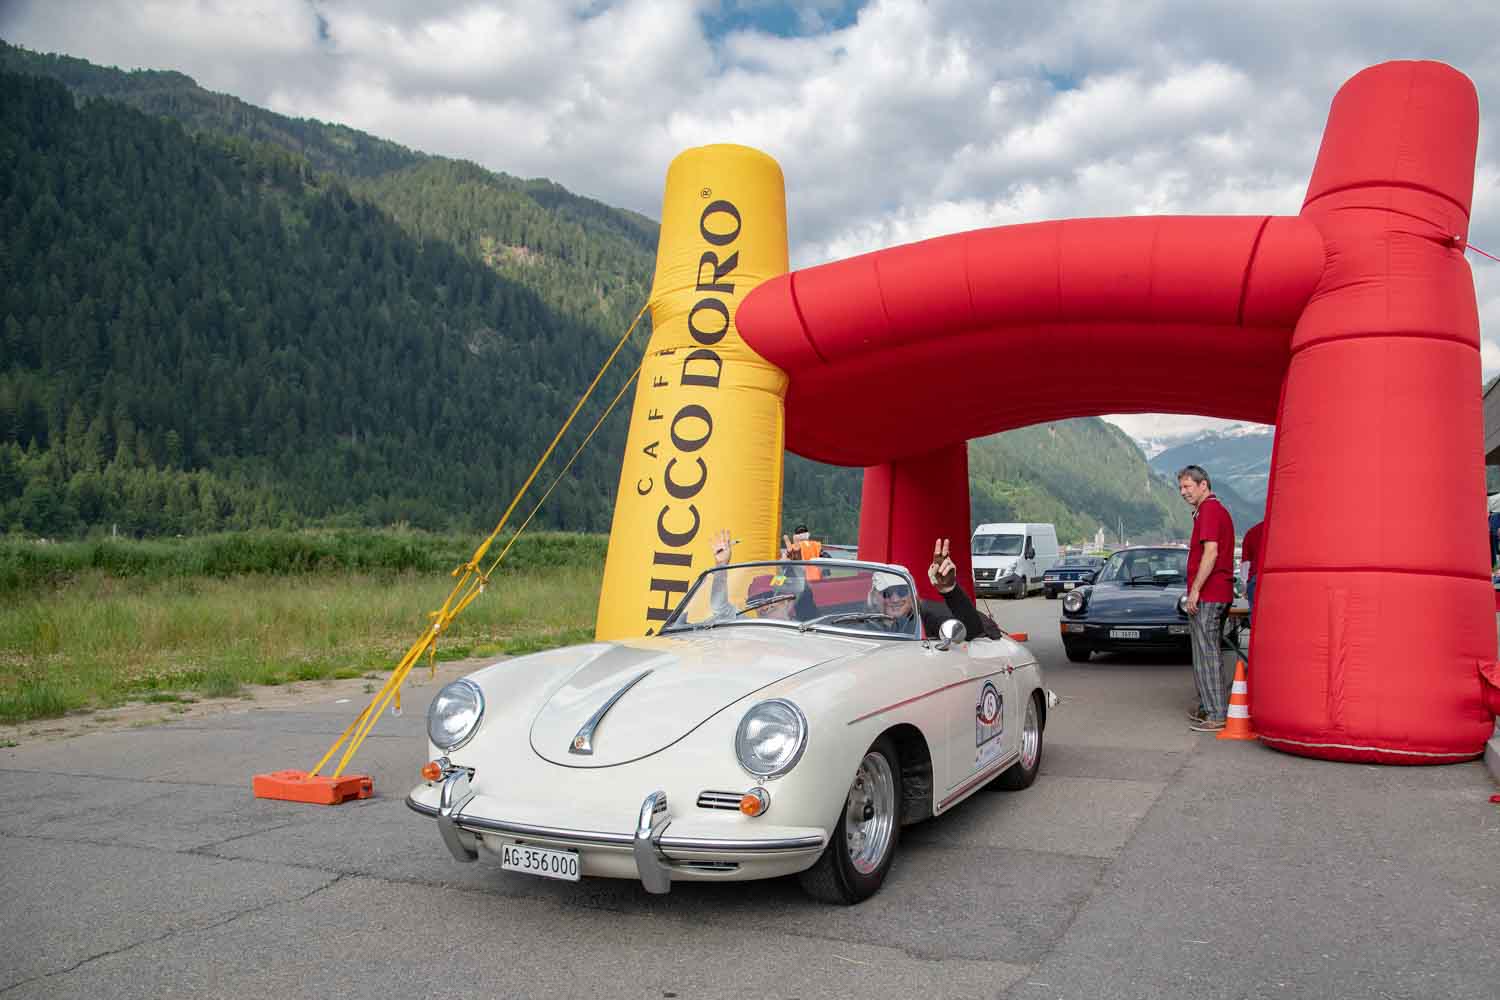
(863, 843)
(1023, 772)
(1076, 653)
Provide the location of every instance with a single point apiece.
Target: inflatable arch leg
(908, 503)
(1374, 609)
(706, 438)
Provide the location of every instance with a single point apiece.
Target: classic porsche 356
(781, 722)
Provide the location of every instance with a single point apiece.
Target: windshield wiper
(773, 599)
(846, 616)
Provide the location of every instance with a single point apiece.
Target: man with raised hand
(896, 599)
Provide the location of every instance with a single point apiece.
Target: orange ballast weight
(317, 789)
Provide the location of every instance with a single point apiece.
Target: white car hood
(691, 677)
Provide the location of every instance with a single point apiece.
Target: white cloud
(914, 120)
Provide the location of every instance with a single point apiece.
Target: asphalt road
(1147, 861)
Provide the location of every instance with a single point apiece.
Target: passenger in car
(799, 605)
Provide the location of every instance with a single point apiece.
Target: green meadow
(94, 624)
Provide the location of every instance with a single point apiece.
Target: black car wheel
(1076, 651)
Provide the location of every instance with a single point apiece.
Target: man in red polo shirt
(1210, 579)
(1252, 554)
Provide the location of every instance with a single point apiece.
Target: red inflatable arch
(1352, 327)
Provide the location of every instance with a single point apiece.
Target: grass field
(88, 625)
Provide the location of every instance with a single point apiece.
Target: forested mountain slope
(198, 334)
(1079, 474)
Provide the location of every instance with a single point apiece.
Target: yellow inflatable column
(706, 437)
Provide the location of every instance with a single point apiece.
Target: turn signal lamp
(1019, 636)
(432, 770)
(754, 802)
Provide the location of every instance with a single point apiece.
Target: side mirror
(1090, 576)
(1030, 552)
(951, 631)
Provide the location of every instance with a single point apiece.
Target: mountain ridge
(361, 242)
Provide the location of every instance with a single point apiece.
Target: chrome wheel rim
(1031, 736)
(870, 813)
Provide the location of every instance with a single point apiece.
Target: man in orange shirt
(802, 546)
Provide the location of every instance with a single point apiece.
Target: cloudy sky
(893, 120)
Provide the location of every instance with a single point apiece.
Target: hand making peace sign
(943, 572)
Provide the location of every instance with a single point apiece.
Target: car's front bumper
(1006, 586)
(657, 848)
(1105, 637)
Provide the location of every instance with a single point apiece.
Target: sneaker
(1197, 715)
(1207, 726)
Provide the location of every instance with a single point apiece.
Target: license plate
(1069, 586)
(541, 861)
(1124, 633)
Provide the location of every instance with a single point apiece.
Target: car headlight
(453, 717)
(771, 738)
(1182, 605)
(1074, 600)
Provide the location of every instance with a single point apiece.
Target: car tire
(863, 842)
(1023, 772)
(1077, 653)
(1051, 595)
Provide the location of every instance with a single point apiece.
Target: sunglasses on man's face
(896, 592)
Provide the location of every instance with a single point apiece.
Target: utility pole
(1120, 528)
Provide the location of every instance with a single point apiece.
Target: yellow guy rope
(471, 583)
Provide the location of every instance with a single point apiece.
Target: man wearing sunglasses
(891, 594)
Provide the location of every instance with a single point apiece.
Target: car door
(984, 720)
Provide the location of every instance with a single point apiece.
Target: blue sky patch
(780, 18)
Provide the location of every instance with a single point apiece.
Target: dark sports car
(1134, 604)
(1071, 572)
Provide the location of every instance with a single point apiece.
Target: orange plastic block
(298, 786)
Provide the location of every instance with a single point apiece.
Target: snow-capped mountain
(1238, 456)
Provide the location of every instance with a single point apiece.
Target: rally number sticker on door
(989, 723)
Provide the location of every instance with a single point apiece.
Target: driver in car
(893, 595)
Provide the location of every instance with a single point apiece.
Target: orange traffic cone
(1237, 724)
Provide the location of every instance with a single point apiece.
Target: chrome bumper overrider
(650, 845)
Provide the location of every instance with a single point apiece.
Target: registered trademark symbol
(706, 193)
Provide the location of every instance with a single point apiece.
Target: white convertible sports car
(781, 722)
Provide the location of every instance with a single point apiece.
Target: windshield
(1163, 566)
(1087, 562)
(821, 595)
(996, 545)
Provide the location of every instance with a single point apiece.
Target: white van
(1011, 558)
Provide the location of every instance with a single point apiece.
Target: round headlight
(1182, 605)
(454, 714)
(1073, 601)
(771, 738)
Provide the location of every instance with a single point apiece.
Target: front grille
(984, 574)
(720, 800)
